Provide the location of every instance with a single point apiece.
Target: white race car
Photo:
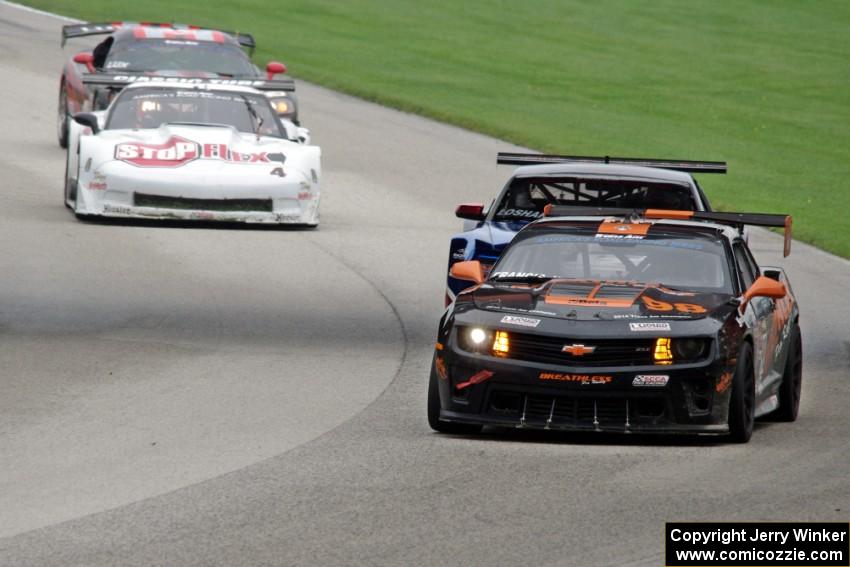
(199, 151)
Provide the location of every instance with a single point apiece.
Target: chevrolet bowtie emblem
(578, 350)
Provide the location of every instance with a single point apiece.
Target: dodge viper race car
(173, 150)
(160, 50)
(598, 319)
(577, 180)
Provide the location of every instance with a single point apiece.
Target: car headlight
(484, 341)
(283, 106)
(688, 349)
(668, 351)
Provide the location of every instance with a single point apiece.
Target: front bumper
(695, 399)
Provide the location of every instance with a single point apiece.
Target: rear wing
(688, 166)
(733, 219)
(116, 81)
(82, 30)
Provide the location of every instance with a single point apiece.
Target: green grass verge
(764, 85)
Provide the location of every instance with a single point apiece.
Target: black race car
(619, 320)
(162, 50)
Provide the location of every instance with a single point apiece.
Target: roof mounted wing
(117, 81)
(734, 219)
(81, 30)
(508, 158)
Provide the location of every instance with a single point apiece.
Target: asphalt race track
(201, 396)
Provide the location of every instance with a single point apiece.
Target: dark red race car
(167, 50)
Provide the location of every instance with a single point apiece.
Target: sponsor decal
(577, 378)
(723, 382)
(520, 321)
(117, 64)
(578, 350)
(277, 171)
(177, 151)
(520, 213)
(649, 326)
(97, 186)
(619, 237)
(656, 380)
(519, 275)
(459, 254)
(117, 209)
(440, 365)
(189, 80)
(283, 217)
(648, 316)
(304, 195)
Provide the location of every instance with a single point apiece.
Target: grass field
(763, 85)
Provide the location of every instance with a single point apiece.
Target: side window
(752, 262)
(748, 276)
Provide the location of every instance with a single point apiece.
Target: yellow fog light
(281, 106)
(663, 354)
(500, 344)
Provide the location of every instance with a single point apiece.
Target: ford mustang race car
(604, 320)
(577, 180)
(161, 50)
(173, 150)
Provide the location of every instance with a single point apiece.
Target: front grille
(185, 203)
(608, 352)
(576, 411)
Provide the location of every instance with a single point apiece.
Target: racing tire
(742, 403)
(62, 116)
(434, 411)
(792, 380)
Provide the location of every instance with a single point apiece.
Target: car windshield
(151, 107)
(526, 196)
(179, 55)
(682, 263)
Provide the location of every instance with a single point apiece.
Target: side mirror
(274, 68)
(87, 119)
(470, 211)
(764, 287)
(86, 59)
(469, 270)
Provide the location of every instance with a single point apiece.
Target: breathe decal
(177, 151)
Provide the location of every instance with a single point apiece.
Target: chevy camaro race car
(202, 151)
(610, 321)
(160, 50)
(577, 180)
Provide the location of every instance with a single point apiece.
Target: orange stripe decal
(668, 214)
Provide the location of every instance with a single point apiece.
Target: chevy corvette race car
(565, 180)
(200, 151)
(600, 319)
(157, 50)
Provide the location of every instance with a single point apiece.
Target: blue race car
(570, 180)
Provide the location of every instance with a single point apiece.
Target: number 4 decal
(277, 171)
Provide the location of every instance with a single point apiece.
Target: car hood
(586, 300)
